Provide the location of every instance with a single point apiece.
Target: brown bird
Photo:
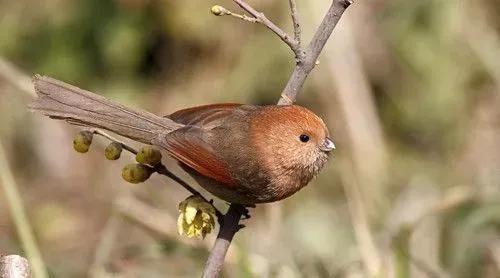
(242, 154)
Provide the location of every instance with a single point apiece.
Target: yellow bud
(196, 218)
(82, 141)
(218, 10)
(136, 173)
(148, 155)
(113, 151)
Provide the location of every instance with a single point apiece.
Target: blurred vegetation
(433, 73)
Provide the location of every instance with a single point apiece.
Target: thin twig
(296, 23)
(14, 266)
(159, 168)
(261, 18)
(162, 170)
(226, 233)
(113, 139)
(313, 50)
(243, 17)
(18, 213)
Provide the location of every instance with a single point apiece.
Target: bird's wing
(205, 115)
(187, 146)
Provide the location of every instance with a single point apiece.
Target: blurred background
(410, 91)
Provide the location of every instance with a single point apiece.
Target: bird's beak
(327, 145)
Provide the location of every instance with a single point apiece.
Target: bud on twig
(82, 141)
(136, 173)
(219, 10)
(113, 151)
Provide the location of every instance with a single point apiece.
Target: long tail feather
(60, 100)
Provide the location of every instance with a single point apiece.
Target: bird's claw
(245, 213)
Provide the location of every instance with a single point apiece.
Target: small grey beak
(327, 145)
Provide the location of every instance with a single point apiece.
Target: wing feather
(205, 115)
(187, 146)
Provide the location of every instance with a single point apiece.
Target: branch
(14, 266)
(302, 69)
(227, 231)
(305, 64)
(294, 44)
(296, 23)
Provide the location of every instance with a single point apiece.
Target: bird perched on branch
(242, 154)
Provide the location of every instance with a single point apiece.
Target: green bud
(148, 155)
(218, 10)
(113, 151)
(82, 141)
(136, 173)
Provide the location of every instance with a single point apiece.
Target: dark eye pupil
(304, 138)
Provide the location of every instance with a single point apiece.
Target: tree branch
(306, 60)
(302, 69)
(227, 231)
(296, 23)
(305, 64)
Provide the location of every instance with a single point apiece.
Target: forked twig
(303, 68)
(294, 44)
(306, 59)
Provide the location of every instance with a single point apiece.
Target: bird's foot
(245, 213)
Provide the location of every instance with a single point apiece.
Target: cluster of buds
(196, 215)
(139, 172)
(148, 157)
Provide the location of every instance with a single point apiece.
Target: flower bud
(218, 10)
(113, 151)
(82, 141)
(196, 218)
(148, 155)
(136, 173)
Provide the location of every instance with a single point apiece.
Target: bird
(242, 154)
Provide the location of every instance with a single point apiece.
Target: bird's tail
(60, 100)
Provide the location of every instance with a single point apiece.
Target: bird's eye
(304, 138)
